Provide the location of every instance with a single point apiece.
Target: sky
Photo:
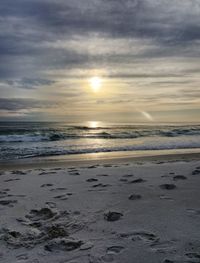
(144, 53)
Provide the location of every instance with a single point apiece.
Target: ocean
(36, 139)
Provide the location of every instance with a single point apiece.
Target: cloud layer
(147, 52)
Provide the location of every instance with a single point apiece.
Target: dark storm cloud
(142, 18)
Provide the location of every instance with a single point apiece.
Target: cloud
(27, 83)
(141, 45)
(18, 104)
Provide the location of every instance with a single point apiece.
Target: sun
(95, 83)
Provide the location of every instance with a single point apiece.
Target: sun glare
(95, 83)
(93, 124)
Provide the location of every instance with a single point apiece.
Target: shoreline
(79, 160)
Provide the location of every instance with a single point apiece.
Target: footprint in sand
(47, 173)
(128, 175)
(193, 211)
(115, 249)
(46, 185)
(4, 193)
(179, 177)
(9, 203)
(63, 244)
(124, 180)
(135, 197)
(164, 197)
(163, 246)
(100, 185)
(76, 173)
(168, 186)
(18, 172)
(91, 180)
(112, 216)
(144, 236)
(42, 214)
(136, 181)
(63, 196)
(86, 246)
(22, 257)
(196, 171)
(193, 256)
(92, 166)
(10, 180)
(140, 236)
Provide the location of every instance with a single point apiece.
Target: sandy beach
(123, 210)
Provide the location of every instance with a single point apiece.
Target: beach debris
(179, 177)
(135, 197)
(63, 244)
(168, 186)
(112, 216)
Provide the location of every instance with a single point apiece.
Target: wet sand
(115, 210)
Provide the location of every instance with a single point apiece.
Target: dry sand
(122, 211)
